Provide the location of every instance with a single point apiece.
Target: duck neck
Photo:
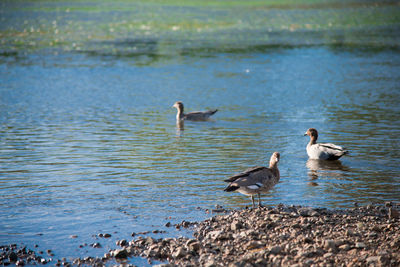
(313, 139)
(273, 166)
(180, 114)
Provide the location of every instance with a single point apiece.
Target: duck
(192, 116)
(256, 180)
(323, 151)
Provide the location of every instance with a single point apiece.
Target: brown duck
(256, 180)
(192, 116)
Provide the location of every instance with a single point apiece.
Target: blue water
(89, 144)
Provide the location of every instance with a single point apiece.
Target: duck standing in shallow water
(322, 151)
(192, 116)
(256, 180)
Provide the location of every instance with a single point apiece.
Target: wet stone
(12, 256)
(20, 263)
(96, 245)
(122, 243)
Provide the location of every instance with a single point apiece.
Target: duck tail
(213, 111)
(231, 188)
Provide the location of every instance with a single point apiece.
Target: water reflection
(180, 127)
(330, 169)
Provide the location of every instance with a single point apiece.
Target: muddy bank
(280, 236)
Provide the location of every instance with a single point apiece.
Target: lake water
(89, 142)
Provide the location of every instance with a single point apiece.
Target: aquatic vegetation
(108, 26)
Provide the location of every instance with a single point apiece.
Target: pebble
(12, 256)
(122, 243)
(276, 249)
(96, 245)
(330, 245)
(360, 245)
(119, 253)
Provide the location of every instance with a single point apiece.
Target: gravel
(280, 236)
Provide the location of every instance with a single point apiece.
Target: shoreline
(278, 236)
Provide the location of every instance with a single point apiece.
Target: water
(89, 143)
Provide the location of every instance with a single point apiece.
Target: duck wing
(248, 172)
(257, 179)
(199, 115)
(334, 151)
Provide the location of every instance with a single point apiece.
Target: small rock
(180, 253)
(360, 245)
(328, 255)
(254, 244)
(376, 228)
(307, 212)
(149, 240)
(119, 253)
(344, 247)
(210, 263)
(349, 232)
(276, 250)
(235, 225)
(20, 263)
(122, 243)
(393, 213)
(330, 244)
(193, 245)
(309, 262)
(373, 260)
(168, 224)
(12, 256)
(96, 245)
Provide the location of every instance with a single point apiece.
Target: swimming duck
(256, 180)
(193, 116)
(322, 151)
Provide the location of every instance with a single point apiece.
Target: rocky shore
(280, 236)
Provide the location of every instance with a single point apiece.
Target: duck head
(312, 133)
(274, 159)
(178, 105)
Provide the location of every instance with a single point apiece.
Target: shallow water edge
(284, 235)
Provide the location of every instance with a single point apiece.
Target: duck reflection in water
(180, 126)
(330, 169)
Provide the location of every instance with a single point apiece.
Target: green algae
(193, 24)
